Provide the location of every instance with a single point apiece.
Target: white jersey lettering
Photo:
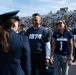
(35, 36)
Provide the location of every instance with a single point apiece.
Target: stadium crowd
(50, 18)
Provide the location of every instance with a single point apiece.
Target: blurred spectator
(22, 29)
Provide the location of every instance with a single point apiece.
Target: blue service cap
(9, 15)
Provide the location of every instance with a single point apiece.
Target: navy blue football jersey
(37, 38)
(62, 42)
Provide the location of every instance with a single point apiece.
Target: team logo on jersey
(61, 39)
(35, 36)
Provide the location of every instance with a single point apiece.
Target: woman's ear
(13, 25)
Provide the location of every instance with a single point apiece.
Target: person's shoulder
(42, 28)
(69, 32)
(23, 37)
(29, 27)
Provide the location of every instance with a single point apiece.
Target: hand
(46, 61)
(51, 60)
(70, 62)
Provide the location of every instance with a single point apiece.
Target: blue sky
(28, 7)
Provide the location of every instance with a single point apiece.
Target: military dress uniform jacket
(17, 60)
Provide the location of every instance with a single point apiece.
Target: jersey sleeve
(70, 35)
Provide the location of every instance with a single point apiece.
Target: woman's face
(60, 25)
(16, 25)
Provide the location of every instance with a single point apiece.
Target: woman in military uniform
(14, 48)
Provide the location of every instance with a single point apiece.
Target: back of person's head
(6, 21)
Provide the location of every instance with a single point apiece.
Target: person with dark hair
(22, 29)
(39, 45)
(14, 48)
(62, 48)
